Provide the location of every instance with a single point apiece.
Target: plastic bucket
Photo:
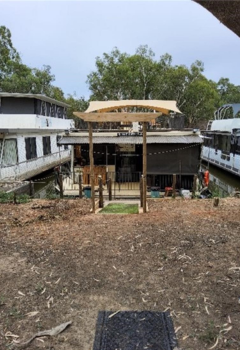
(87, 192)
(155, 194)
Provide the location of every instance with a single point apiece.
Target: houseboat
(222, 139)
(118, 156)
(30, 127)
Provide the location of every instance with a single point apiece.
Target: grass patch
(210, 334)
(120, 208)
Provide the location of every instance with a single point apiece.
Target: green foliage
(228, 93)
(121, 76)
(23, 198)
(118, 76)
(76, 104)
(120, 208)
(9, 198)
(8, 54)
(6, 197)
(51, 192)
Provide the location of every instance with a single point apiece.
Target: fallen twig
(214, 345)
(50, 332)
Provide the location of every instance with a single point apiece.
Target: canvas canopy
(99, 111)
(157, 105)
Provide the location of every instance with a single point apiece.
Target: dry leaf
(31, 314)
(20, 293)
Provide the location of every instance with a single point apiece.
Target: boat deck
(125, 189)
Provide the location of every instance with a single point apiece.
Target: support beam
(144, 130)
(72, 164)
(91, 166)
(117, 117)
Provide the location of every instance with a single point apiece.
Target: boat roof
(37, 96)
(220, 112)
(122, 138)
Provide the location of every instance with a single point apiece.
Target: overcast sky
(69, 35)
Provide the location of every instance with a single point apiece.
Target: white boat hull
(230, 163)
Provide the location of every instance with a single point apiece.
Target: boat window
(46, 145)
(43, 108)
(31, 148)
(238, 145)
(216, 141)
(208, 141)
(52, 111)
(225, 143)
(59, 112)
(58, 137)
(10, 155)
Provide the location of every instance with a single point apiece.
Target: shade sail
(106, 106)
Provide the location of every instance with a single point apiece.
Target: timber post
(61, 185)
(100, 184)
(91, 165)
(144, 167)
(174, 185)
(110, 189)
(80, 184)
(194, 186)
(141, 192)
(72, 164)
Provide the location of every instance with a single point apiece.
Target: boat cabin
(30, 127)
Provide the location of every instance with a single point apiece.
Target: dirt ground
(60, 263)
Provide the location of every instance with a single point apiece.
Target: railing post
(61, 185)
(174, 185)
(144, 167)
(141, 192)
(194, 189)
(110, 189)
(92, 179)
(80, 184)
(100, 184)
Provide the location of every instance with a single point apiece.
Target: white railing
(32, 167)
(33, 121)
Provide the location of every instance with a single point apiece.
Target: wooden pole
(194, 186)
(110, 188)
(61, 185)
(80, 184)
(100, 184)
(91, 166)
(174, 185)
(141, 192)
(72, 164)
(180, 173)
(144, 167)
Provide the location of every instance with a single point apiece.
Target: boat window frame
(46, 141)
(30, 148)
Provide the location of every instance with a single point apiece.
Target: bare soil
(59, 263)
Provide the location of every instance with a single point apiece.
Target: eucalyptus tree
(140, 76)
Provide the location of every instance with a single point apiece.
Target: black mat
(134, 330)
